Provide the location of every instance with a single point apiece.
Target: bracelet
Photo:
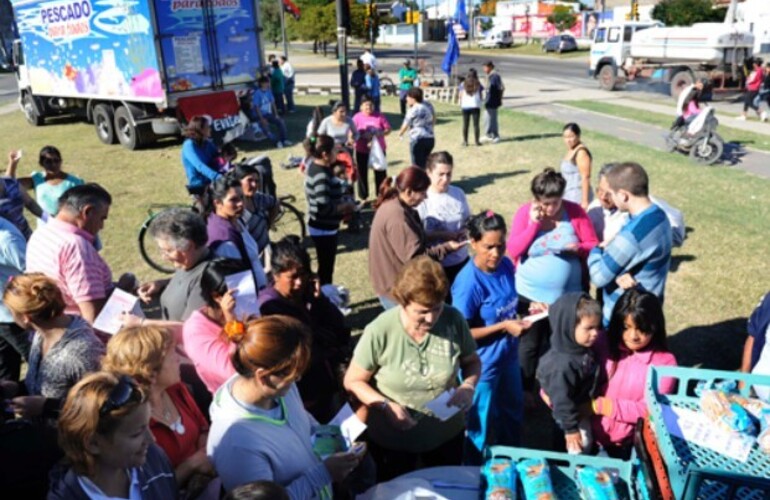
(381, 405)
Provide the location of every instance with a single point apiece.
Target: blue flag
(460, 16)
(452, 51)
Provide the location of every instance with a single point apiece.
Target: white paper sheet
(440, 408)
(349, 424)
(246, 302)
(110, 319)
(698, 429)
(535, 317)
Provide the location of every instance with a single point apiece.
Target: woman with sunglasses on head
(148, 355)
(104, 431)
(49, 184)
(259, 428)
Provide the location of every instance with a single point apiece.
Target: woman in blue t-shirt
(485, 293)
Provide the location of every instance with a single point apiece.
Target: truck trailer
(137, 69)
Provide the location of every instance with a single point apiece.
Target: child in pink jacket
(636, 340)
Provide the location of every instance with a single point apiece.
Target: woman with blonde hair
(259, 428)
(105, 435)
(148, 355)
(63, 350)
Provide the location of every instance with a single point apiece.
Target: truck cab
(610, 48)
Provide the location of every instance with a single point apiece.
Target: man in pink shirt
(63, 249)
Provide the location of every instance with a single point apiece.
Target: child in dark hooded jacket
(567, 373)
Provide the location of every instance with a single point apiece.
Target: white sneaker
(286, 144)
(763, 116)
(495, 140)
(741, 118)
(279, 144)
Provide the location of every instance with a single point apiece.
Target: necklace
(166, 416)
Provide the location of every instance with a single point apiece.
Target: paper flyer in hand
(535, 317)
(246, 302)
(110, 319)
(696, 428)
(440, 408)
(350, 425)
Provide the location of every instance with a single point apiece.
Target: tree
(488, 7)
(562, 17)
(687, 12)
(271, 21)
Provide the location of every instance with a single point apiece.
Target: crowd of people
(206, 402)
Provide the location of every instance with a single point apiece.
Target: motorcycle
(699, 138)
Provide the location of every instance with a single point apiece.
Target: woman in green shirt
(406, 358)
(406, 78)
(277, 86)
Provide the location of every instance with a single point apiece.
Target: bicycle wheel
(149, 249)
(288, 221)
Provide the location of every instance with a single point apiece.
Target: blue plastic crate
(696, 472)
(563, 467)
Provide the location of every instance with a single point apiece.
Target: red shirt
(180, 447)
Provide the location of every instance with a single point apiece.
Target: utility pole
(371, 25)
(471, 27)
(281, 9)
(414, 17)
(343, 26)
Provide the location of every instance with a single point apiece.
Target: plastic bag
(499, 478)
(536, 479)
(377, 160)
(596, 484)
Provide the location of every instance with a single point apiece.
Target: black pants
(362, 163)
(474, 113)
(392, 463)
(326, 251)
(451, 273)
(532, 345)
(748, 100)
(14, 346)
(420, 150)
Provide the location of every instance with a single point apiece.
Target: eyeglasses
(122, 394)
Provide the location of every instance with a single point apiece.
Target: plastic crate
(563, 467)
(696, 472)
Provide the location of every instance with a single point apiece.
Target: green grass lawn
(718, 276)
(729, 134)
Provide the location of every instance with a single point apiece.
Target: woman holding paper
(259, 429)
(407, 359)
(148, 355)
(485, 293)
(294, 293)
(204, 334)
(64, 348)
(228, 237)
(549, 243)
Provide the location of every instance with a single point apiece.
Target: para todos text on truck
(137, 68)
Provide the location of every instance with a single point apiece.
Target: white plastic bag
(377, 160)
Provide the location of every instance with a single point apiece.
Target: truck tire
(103, 123)
(608, 78)
(130, 136)
(31, 113)
(679, 81)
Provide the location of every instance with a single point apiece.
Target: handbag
(377, 159)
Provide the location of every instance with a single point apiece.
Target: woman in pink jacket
(636, 340)
(549, 243)
(753, 83)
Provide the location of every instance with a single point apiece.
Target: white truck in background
(678, 56)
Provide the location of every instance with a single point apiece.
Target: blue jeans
(288, 92)
(279, 125)
(497, 411)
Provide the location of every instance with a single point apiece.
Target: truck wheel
(103, 123)
(130, 136)
(680, 81)
(31, 112)
(607, 78)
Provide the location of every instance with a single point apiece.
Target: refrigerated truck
(137, 69)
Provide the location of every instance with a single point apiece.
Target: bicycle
(288, 220)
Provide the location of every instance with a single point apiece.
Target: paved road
(7, 86)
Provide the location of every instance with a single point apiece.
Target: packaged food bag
(499, 478)
(536, 479)
(727, 414)
(595, 484)
(328, 439)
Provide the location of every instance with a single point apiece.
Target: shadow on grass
(471, 184)
(678, 260)
(531, 137)
(717, 346)
(364, 312)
